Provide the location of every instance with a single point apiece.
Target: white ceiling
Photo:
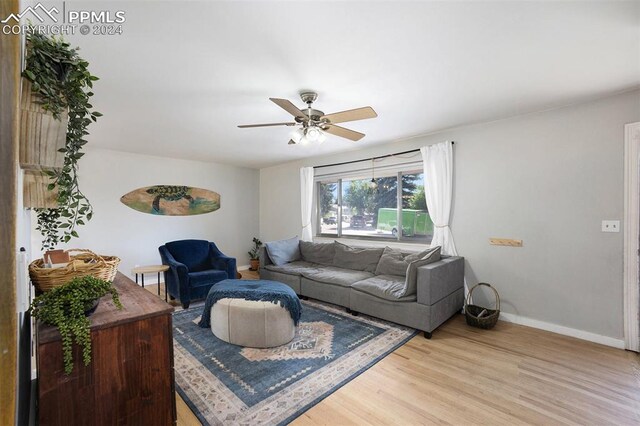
(185, 74)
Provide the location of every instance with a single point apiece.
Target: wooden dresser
(130, 379)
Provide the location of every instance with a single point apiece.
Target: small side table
(150, 270)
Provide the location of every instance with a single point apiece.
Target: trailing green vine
(65, 307)
(62, 80)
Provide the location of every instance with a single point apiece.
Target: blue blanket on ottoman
(258, 290)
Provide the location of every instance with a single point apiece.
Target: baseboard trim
(243, 267)
(566, 331)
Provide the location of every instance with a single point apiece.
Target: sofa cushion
(194, 254)
(338, 276)
(396, 262)
(412, 257)
(356, 258)
(283, 251)
(388, 287)
(392, 262)
(321, 253)
(212, 276)
(411, 285)
(293, 268)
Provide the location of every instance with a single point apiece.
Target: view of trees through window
(328, 207)
(371, 209)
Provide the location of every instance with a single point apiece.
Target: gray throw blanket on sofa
(260, 290)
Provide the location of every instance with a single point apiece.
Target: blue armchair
(195, 266)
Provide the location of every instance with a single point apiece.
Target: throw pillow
(412, 257)
(356, 258)
(321, 253)
(395, 262)
(392, 262)
(410, 284)
(283, 251)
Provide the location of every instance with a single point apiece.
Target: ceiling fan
(314, 123)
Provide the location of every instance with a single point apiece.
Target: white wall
(547, 178)
(133, 236)
(23, 240)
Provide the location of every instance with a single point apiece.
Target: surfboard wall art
(172, 200)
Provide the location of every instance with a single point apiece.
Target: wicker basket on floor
(478, 316)
(84, 263)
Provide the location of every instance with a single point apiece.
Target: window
(362, 201)
(328, 207)
(356, 207)
(416, 222)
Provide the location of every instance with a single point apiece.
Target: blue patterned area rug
(228, 384)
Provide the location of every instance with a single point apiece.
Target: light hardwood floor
(509, 375)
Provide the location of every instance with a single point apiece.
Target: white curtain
(306, 202)
(438, 188)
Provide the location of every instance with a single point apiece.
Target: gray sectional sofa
(359, 279)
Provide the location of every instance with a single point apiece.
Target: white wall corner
(565, 331)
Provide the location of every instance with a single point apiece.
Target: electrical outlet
(610, 226)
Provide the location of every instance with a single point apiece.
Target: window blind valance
(380, 167)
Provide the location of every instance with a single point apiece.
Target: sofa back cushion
(392, 263)
(356, 258)
(396, 262)
(283, 251)
(194, 254)
(411, 285)
(321, 253)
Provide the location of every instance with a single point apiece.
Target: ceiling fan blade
(288, 106)
(343, 133)
(244, 126)
(351, 115)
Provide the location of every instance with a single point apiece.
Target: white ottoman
(251, 323)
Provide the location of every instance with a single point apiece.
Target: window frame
(400, 238)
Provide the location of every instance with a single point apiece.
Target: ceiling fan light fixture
(296, 136)
(312, 134)
(315, 124)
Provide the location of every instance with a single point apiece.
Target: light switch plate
(610, 226)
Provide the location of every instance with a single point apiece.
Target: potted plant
(61, 84)
(254, 254)
(67, 307)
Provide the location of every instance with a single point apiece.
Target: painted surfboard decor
(172, 200)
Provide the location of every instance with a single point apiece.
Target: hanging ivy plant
(61, 79)
(66, 306)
